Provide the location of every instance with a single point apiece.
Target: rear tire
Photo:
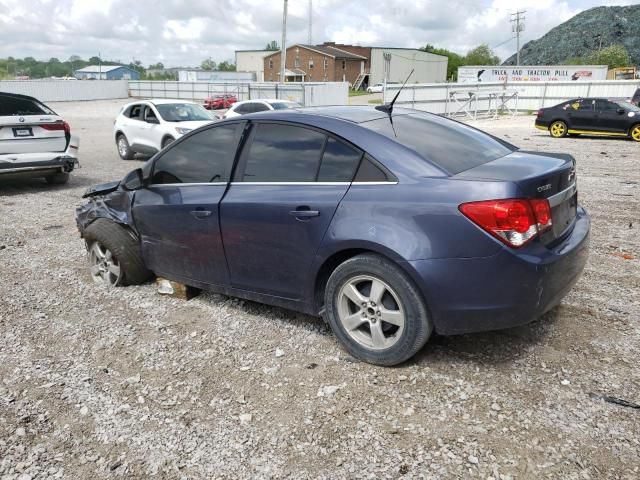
(634, 132)
(124, 150)
(115, 258)
(59, 178)
(558, 129)
(376, 311)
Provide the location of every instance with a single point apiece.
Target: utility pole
(517, 19)
(99, 66)
(283, 45)
(310, 22)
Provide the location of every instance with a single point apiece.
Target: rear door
(177, 215)
(582, 115)
(280, 205)
(28, 126)
(611, 117)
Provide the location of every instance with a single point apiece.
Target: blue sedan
(390, 225)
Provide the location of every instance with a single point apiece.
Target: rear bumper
(542, 124)
(511, 288)
(45, 163)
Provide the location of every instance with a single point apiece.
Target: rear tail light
(56, 126)
(512, 221)
(540, 113)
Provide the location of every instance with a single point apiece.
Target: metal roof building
(106, 72)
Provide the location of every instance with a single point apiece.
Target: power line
(518, 26)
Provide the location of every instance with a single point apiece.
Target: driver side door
(177, 214)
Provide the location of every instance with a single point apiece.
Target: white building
(396, 63)
(252, 61)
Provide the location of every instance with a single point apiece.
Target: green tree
(208, 65)
(226, 66)
(613, 56)
(272, 46)
(156, 66)
(481, 55)
(455, 60)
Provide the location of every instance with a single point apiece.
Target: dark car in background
(219, 101)
(591, 116)
(35, 141)
(390, 226)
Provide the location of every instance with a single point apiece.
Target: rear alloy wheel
(558, 129)
(59, 178)
(635, 132)
(124, 150)
(376, 311)
(114, 255)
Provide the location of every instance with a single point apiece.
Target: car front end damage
(109, 201)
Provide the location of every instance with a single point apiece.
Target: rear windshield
(10, 105)
(453, 146)
(284, 105)
(182, 112)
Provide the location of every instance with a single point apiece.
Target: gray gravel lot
(127, 383)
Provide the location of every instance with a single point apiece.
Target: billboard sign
(553, 73)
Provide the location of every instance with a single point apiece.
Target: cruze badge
(544, 187)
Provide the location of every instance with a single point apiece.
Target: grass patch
(357, 93)
(376, 101)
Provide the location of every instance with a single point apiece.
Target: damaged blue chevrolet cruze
(390, 225)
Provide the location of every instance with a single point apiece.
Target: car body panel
(176, 223)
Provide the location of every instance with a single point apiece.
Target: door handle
(200, 213)
(304, 213)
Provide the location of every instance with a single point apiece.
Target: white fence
(67, 90)
(307, 94)
(469, 98)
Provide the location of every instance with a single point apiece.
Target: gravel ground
(124, 382)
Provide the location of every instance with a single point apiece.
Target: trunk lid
(32, 134)
(537, 175)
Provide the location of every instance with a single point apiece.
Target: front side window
(283, 153)
(203, 157)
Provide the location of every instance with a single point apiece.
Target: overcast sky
(184, 32)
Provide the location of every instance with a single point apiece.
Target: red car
(219, 101)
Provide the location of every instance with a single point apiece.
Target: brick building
(317, 63)
(360, 66)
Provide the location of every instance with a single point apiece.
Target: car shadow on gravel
(19, 186)
(488, 348)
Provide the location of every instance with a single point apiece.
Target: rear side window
(371, 171)
(283, 153)
(339, 162)
(135, 112)
(10, 106)
(451, 145)
(203, 157)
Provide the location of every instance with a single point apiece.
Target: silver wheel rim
(103, 265)
(122, 147)
(371, 313)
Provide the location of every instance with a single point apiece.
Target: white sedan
(262, 105)
(376, 88)
(147, 126)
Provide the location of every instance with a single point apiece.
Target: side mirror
(621, 111)
(153, 120)
(133, 180)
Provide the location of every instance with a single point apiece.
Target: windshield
(183, 112)
(284, 105)
(627, 106)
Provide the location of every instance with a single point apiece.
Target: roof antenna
(388, 107)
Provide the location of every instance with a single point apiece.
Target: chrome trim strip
(313, 183)
(560, 197)
(185, 184)
(30, 169)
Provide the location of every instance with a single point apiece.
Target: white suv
(148, 126)
(34, 140)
